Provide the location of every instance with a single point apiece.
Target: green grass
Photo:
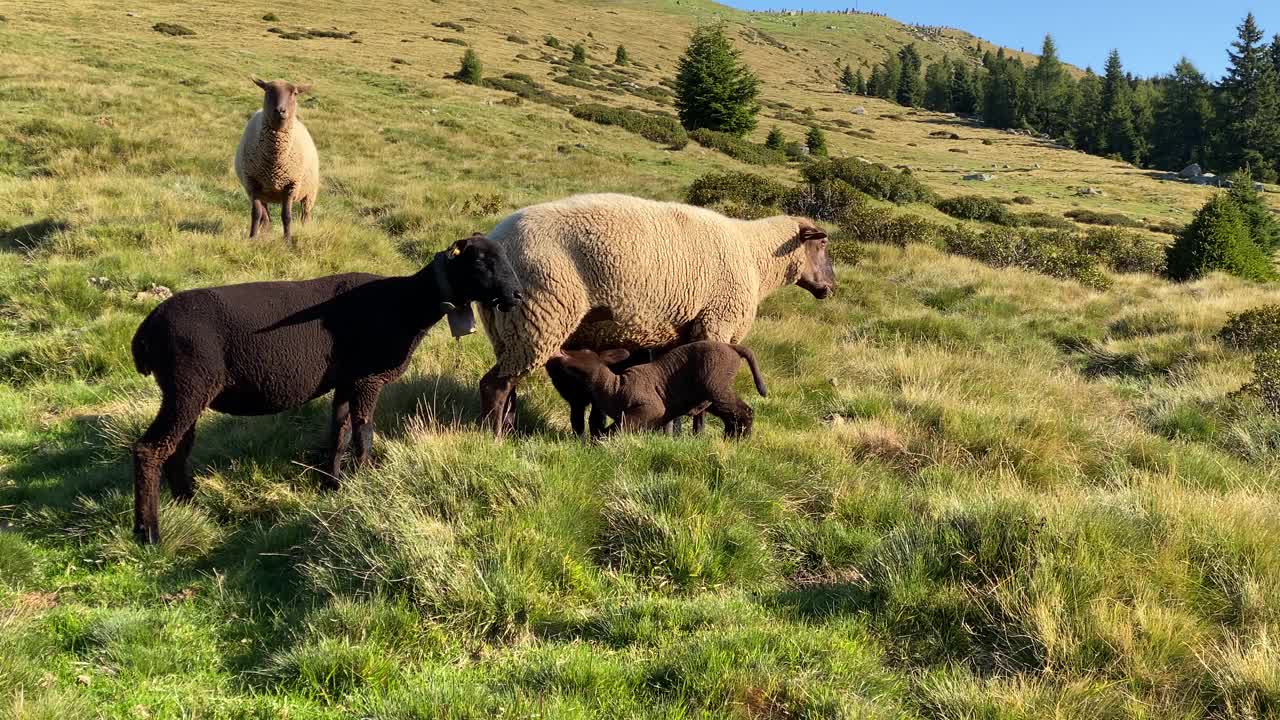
(972, 492)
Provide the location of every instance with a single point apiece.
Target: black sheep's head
(584, 365)
(816, 274)
(280, 102)
(478, 271)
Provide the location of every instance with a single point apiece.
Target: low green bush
(1256, 329)
(972, 207)
(1217, 239)
(1093, 217)
(1042, 220)
(830, 200)
(740, 188)
(1055, 253)
(737, 148)
(450, 25)
(173, 29)
(1125, 251)
(1024, 200)
(876, 180)
(664, 129)
(524, 86)
(866, 223)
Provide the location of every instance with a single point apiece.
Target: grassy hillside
(973, 493)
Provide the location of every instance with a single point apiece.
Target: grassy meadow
(972, 493)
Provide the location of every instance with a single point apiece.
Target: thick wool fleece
(614, 271)
(281, 165)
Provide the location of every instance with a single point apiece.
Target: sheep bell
(462, 321)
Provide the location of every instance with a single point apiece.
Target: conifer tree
(579, 53)
(620, 56)
(876, 82)
(848, 82)
(964, 92)
(1118, 133)
(714, 88)
(1086, 114)
(1250, 105)
(816, 140)
(1183, 119)
(1049, 90)
(910, 88)
(775, 140)
(470, 72)
(861, 87)
(937, 86)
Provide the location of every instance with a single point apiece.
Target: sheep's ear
(303, 88)
(260, 83)
(611, 357)
(808, 233)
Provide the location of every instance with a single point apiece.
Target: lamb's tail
(755, 369)
(140, 348)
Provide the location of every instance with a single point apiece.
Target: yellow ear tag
(455, 252)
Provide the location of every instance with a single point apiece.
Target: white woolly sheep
(276, 160)
(611, 271)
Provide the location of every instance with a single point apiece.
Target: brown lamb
(688, 380)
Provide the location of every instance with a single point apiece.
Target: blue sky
(1150, 35)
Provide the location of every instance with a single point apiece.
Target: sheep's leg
(286, 218)
(597, 422)
(308, 202)
(363, 403)
(176, 472)
(256, 211)
(578, 419)
(340, 435)
(495, 405)
(264, 216)
(151, 455)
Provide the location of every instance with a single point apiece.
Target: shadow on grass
(31, 236)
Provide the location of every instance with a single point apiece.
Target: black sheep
(578, 394)
(262, 348)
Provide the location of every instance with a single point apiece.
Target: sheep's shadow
(441, 401)
(32, 236)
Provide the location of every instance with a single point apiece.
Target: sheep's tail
(140, 348)
(755, 369)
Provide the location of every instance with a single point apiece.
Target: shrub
(1263, 227)
(1055, 253)
(449, 25)
(866, 223)
(579, 53)
(1266, 379)
(1024, 200)
(736, 187)
(470, 73)
(1125, 251)
(876, 180)
(551, 41)
(270, 17)
(524, 87)
(972, 207)
(715, 90)
(172, 29)
(1042, 220)
(1217, 240)
(830, 200)
(795, 150)
(1093, 217)
(735, 147)
(1165, 227)
(816, 141)
(1256, 329)
(620, 56)
(988, 141)
(658, 128)
(775, 141)
(517, 40)
(452, 41)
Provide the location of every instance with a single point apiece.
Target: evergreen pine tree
(620, 56)
(861, 87)
(1217, 239)
(1250, 112)
(910, 89)
(1004, 93)
(775, 141)
(470, 72)
(1259, 221)
(579, 53)
(937, 86)
(816, 140)
(964, 93)
(892, 77)
(876, 82)
(714, 88)
(1119, 136)
(1183, 119)
(1275, 53)
(1086, 114)
(1049, 89)
(848, 82)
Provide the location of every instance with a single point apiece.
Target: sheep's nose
(518, 295)
(281, 111)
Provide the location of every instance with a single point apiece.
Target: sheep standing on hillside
(265, 347)
(276, 160)
(613, 271)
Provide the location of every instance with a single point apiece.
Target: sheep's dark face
(816, 274)
(583, 365)
(280, 102)
(479, 271)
